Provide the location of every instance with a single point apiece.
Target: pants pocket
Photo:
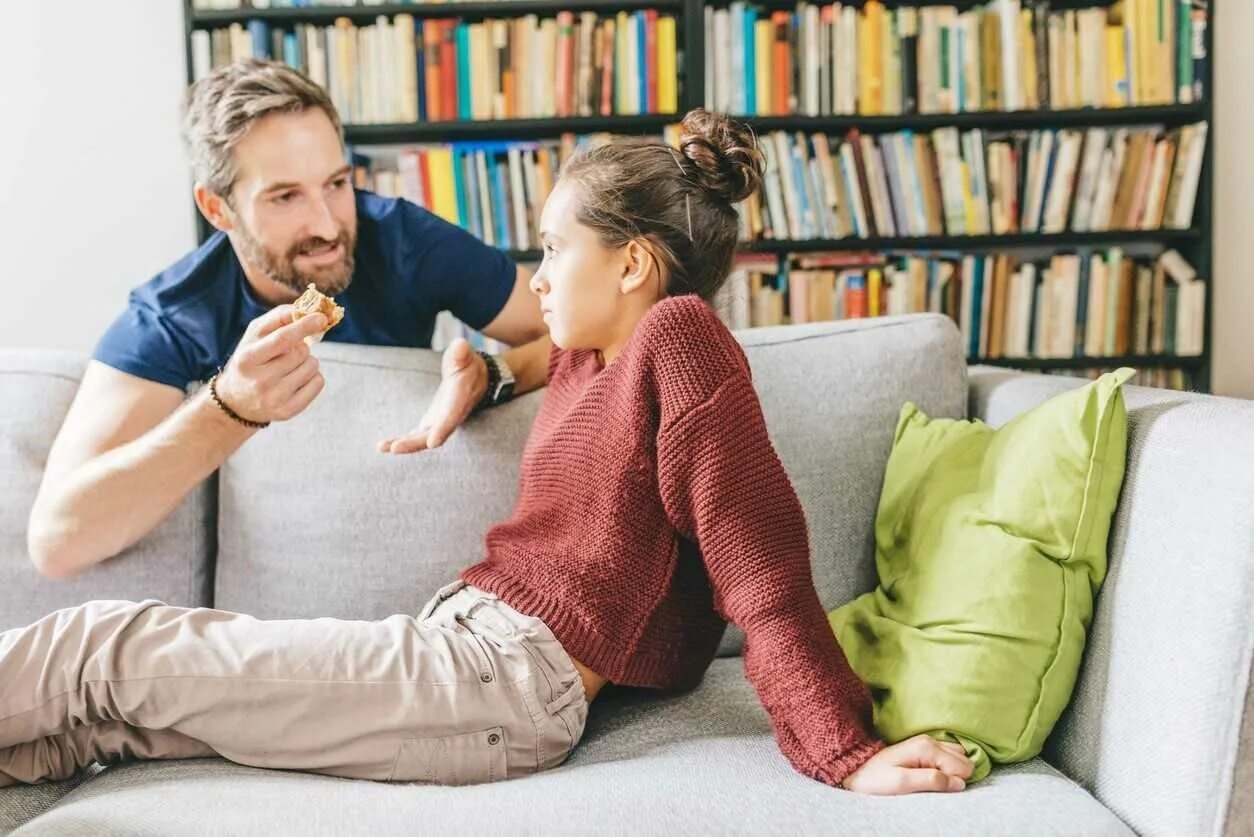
(465, 758)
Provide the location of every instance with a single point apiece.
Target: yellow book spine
(873, 47)
(873, 303)
(444, 203)
(620, 64)
(968, 202)
(1116, 68)
(667, 96)
(762, 36)
(1030, 97)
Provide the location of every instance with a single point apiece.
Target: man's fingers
(410, 443)
(287, 337)
(280, 366)
(286, 388)
(268, 322)
(305, 395)
(922, 779)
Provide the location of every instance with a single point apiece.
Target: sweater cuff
(835, 772)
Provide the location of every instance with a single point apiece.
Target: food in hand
(313, 301)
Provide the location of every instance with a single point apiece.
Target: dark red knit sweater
(652, 508)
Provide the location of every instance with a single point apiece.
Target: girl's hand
(920, 763)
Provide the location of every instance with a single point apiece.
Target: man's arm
(128, 452)
(125, 457)
(521, 325)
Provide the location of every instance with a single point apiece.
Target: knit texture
(653, 508)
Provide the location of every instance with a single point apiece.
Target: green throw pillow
(990, 546)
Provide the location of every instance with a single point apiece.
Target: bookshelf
(1194, 242)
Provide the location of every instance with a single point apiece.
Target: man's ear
(214, 207)
(637, 267)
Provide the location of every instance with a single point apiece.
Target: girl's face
(592, 295)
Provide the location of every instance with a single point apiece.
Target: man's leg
(324, 695)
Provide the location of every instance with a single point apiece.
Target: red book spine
(448, 69)
(650, 51)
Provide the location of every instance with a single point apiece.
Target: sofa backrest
(172, 564)
(1154, 725)
(314, 522)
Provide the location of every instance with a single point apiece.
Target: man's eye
(285, 197)
(339, 183)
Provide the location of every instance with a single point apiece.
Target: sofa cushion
(990, 547)
(315, 522)
(700, 763)
(172, 563)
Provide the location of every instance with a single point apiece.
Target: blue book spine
(463, 71)
(291, 54)
(1082, 302)
(422, 78)
(260, 32)
(799, 183)
(459, 189)
(500, 210)
(643, 59)
(977, 307)
(751, 63)
(851, 189)
(1049, 175)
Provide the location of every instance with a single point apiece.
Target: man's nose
(322, 222)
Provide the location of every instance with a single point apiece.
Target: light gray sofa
(307, 520)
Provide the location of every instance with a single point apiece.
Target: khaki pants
(468, 691)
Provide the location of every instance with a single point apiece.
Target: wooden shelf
(205, 18)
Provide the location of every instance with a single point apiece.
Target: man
(272, 179)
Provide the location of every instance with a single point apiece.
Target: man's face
(295, 218)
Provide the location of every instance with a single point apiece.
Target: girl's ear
(637, 266)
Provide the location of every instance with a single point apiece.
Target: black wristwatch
(500, 381)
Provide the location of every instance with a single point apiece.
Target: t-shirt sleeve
(141, 343)
(456, 271)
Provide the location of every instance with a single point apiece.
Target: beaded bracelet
(213, 390)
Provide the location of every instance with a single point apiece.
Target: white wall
(95, 193)
(1233, 314)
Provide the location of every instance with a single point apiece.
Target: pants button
(493, 738)
(486, 678)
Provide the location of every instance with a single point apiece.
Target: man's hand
(271, 375)
(920, 763)
(464, 379)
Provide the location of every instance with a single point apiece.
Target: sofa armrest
(1154, 728)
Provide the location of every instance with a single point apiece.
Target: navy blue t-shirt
(181, 326)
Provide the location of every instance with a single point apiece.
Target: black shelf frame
(391, 134)
(213, 18)
(1195, 243)
(1142, 361)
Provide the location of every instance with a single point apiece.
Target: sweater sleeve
(724, 487)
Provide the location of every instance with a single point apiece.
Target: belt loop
(566, 698)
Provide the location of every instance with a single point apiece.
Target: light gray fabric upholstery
(1153, 726)
(173, 563)
(315, 522)
(700, 763)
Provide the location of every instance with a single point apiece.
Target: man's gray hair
(221, 107)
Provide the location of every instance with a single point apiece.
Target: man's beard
(329, 279)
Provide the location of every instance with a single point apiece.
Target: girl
(652, 508)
